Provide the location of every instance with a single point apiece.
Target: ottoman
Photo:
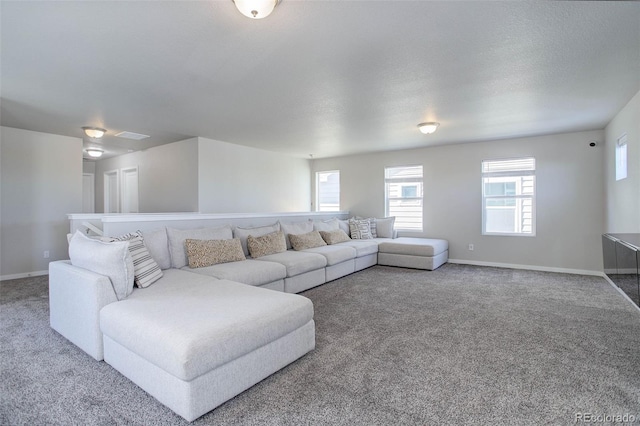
(418, 253)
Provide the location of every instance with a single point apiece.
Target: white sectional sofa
(198, 336)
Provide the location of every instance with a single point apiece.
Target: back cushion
(111, 259)
(177, 238)
(326, 225)
(158, 246)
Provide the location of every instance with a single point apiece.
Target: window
(328, 191)
(621, 157)
(508, 197)
(403, 196)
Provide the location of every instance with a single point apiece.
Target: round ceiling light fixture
(95, 153)
(94, 132)
(256, 9)
(428, 128)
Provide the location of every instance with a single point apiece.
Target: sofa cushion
(177, 239)
(111, 259)
(267, 244)
(297, 262)
(296, 228)
(326, 225)
(413, 246)
(363, 247)
(258, 231)
(360, 229)
(334, 237)
(202, 253)
(344, 225)
(145, 269)
(189, 324)
(335, 254)
(306, 241)
(251, 272)
(158, 245)
(384, 227)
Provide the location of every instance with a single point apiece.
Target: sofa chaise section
(193, 346)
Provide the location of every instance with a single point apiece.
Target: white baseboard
(529, 267)
(24, 275)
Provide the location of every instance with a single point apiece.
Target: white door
(129, 178)
(111, 192)
(88, 191)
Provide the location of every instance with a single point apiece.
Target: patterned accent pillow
(373, 226)
(306, 241)
(360, 229)
(334, 237)
(266, 244)
(295, 228)
(243, 234)
(146, 270)
(203, 253)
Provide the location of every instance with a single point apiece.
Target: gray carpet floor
(459, 345)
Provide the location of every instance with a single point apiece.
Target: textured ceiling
(317, 77)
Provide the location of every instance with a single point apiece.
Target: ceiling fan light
(94, 132)
(428, 128)
(95, 153)
(256, 9)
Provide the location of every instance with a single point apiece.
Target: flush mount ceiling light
(428, 128)
(256, 9)
(94, 132)
(95, 153)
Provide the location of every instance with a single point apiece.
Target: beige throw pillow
(202, 253)
(334, 237)
(266, 244)
(306, 241)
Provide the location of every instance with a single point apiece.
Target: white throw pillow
(385, 227)
(111, 259)
(258, 231)
(344, 225)
(297, 228)
(177, 238)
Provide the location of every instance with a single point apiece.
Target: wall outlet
(470, 247)
(46, 254)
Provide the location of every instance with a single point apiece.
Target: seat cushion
(413, 246)
(363, 247)
(248, 271)
(297, 262)
(335, 254)
(189, 324)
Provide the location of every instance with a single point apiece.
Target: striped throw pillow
(145, 269)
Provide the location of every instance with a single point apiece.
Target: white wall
(167, 177)
(623, 196)
(239, 179)
(570, 197)
(40, 182)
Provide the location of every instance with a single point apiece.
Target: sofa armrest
(76, 296)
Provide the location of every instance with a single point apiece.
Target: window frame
(317, 197)
(418, 182)
(516, 197)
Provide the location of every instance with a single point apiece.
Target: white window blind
(404, 196)
(508, 196)
(328, 191)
